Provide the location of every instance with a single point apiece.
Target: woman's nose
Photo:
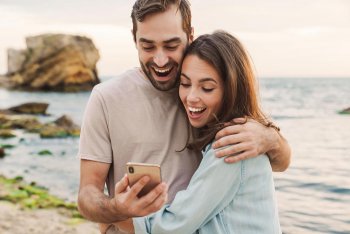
(193, 96)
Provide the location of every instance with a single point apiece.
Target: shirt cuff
(140, 225)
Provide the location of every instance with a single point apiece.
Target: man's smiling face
(161, 41)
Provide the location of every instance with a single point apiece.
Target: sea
(313, 193)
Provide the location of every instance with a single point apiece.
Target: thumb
(121, 185)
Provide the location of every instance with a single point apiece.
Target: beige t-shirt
(128, 120)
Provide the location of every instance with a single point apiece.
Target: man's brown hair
(143, 8)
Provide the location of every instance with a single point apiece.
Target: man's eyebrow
(201, 80)
(145, 40)
(173, 40)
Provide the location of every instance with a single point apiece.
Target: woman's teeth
(196, 110)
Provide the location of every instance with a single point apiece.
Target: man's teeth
(162, 70)
(192, 109)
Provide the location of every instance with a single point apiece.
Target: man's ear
(191, 35)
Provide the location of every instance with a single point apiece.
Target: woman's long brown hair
(228, 56)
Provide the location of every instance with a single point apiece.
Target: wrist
(117, 211)
(273, 145)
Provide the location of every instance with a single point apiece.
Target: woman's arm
(211, 189)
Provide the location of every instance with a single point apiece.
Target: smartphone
(136, 171)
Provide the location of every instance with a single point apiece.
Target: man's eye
(171, 47)
(147, 48)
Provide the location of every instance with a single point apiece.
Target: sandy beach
(15, 220)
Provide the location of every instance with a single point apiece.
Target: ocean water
(313, 194)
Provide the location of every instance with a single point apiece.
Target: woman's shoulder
(258, 161)
(209, 157)
(207, 148)
(257, 167)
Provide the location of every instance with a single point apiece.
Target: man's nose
(160, 58)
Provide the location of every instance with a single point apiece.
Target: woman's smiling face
(201, 91)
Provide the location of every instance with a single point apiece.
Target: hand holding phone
(136, 171)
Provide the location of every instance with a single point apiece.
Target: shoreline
(16, 220)
(28, 208)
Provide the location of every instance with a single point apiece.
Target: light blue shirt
(220, 198)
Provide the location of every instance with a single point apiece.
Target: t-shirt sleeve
(95, 141)
(211, 189)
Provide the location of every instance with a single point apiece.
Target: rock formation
(36, 108)
(53, 62)
(345, 111)
(18, 117)
(62, 127)
(2, 152)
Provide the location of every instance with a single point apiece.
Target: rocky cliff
(53, 62)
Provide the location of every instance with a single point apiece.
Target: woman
(217, 84)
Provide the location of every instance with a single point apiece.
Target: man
(136, 117)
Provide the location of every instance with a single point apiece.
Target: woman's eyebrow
(207, 79)
(201, 80)
(184, 75)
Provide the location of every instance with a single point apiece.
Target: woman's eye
(185, 85)
(207, 90)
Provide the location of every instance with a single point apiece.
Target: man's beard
(161, 86)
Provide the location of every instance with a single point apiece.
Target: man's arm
(250, 139)
(280, 152)
(94, 205)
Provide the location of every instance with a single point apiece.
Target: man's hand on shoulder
(245, 139)
(249, 138)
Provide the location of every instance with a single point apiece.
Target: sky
(289, 38)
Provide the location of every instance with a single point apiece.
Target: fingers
(158, 203)
(137, 187)
(157, 198)
(239, 157)
(152, 195)
(122, 185)
(240, 120)
(240, 125)
(238, 149)
(228, 140)
(230, 150)
(227, 131)
(233, 150)
(151, 202)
